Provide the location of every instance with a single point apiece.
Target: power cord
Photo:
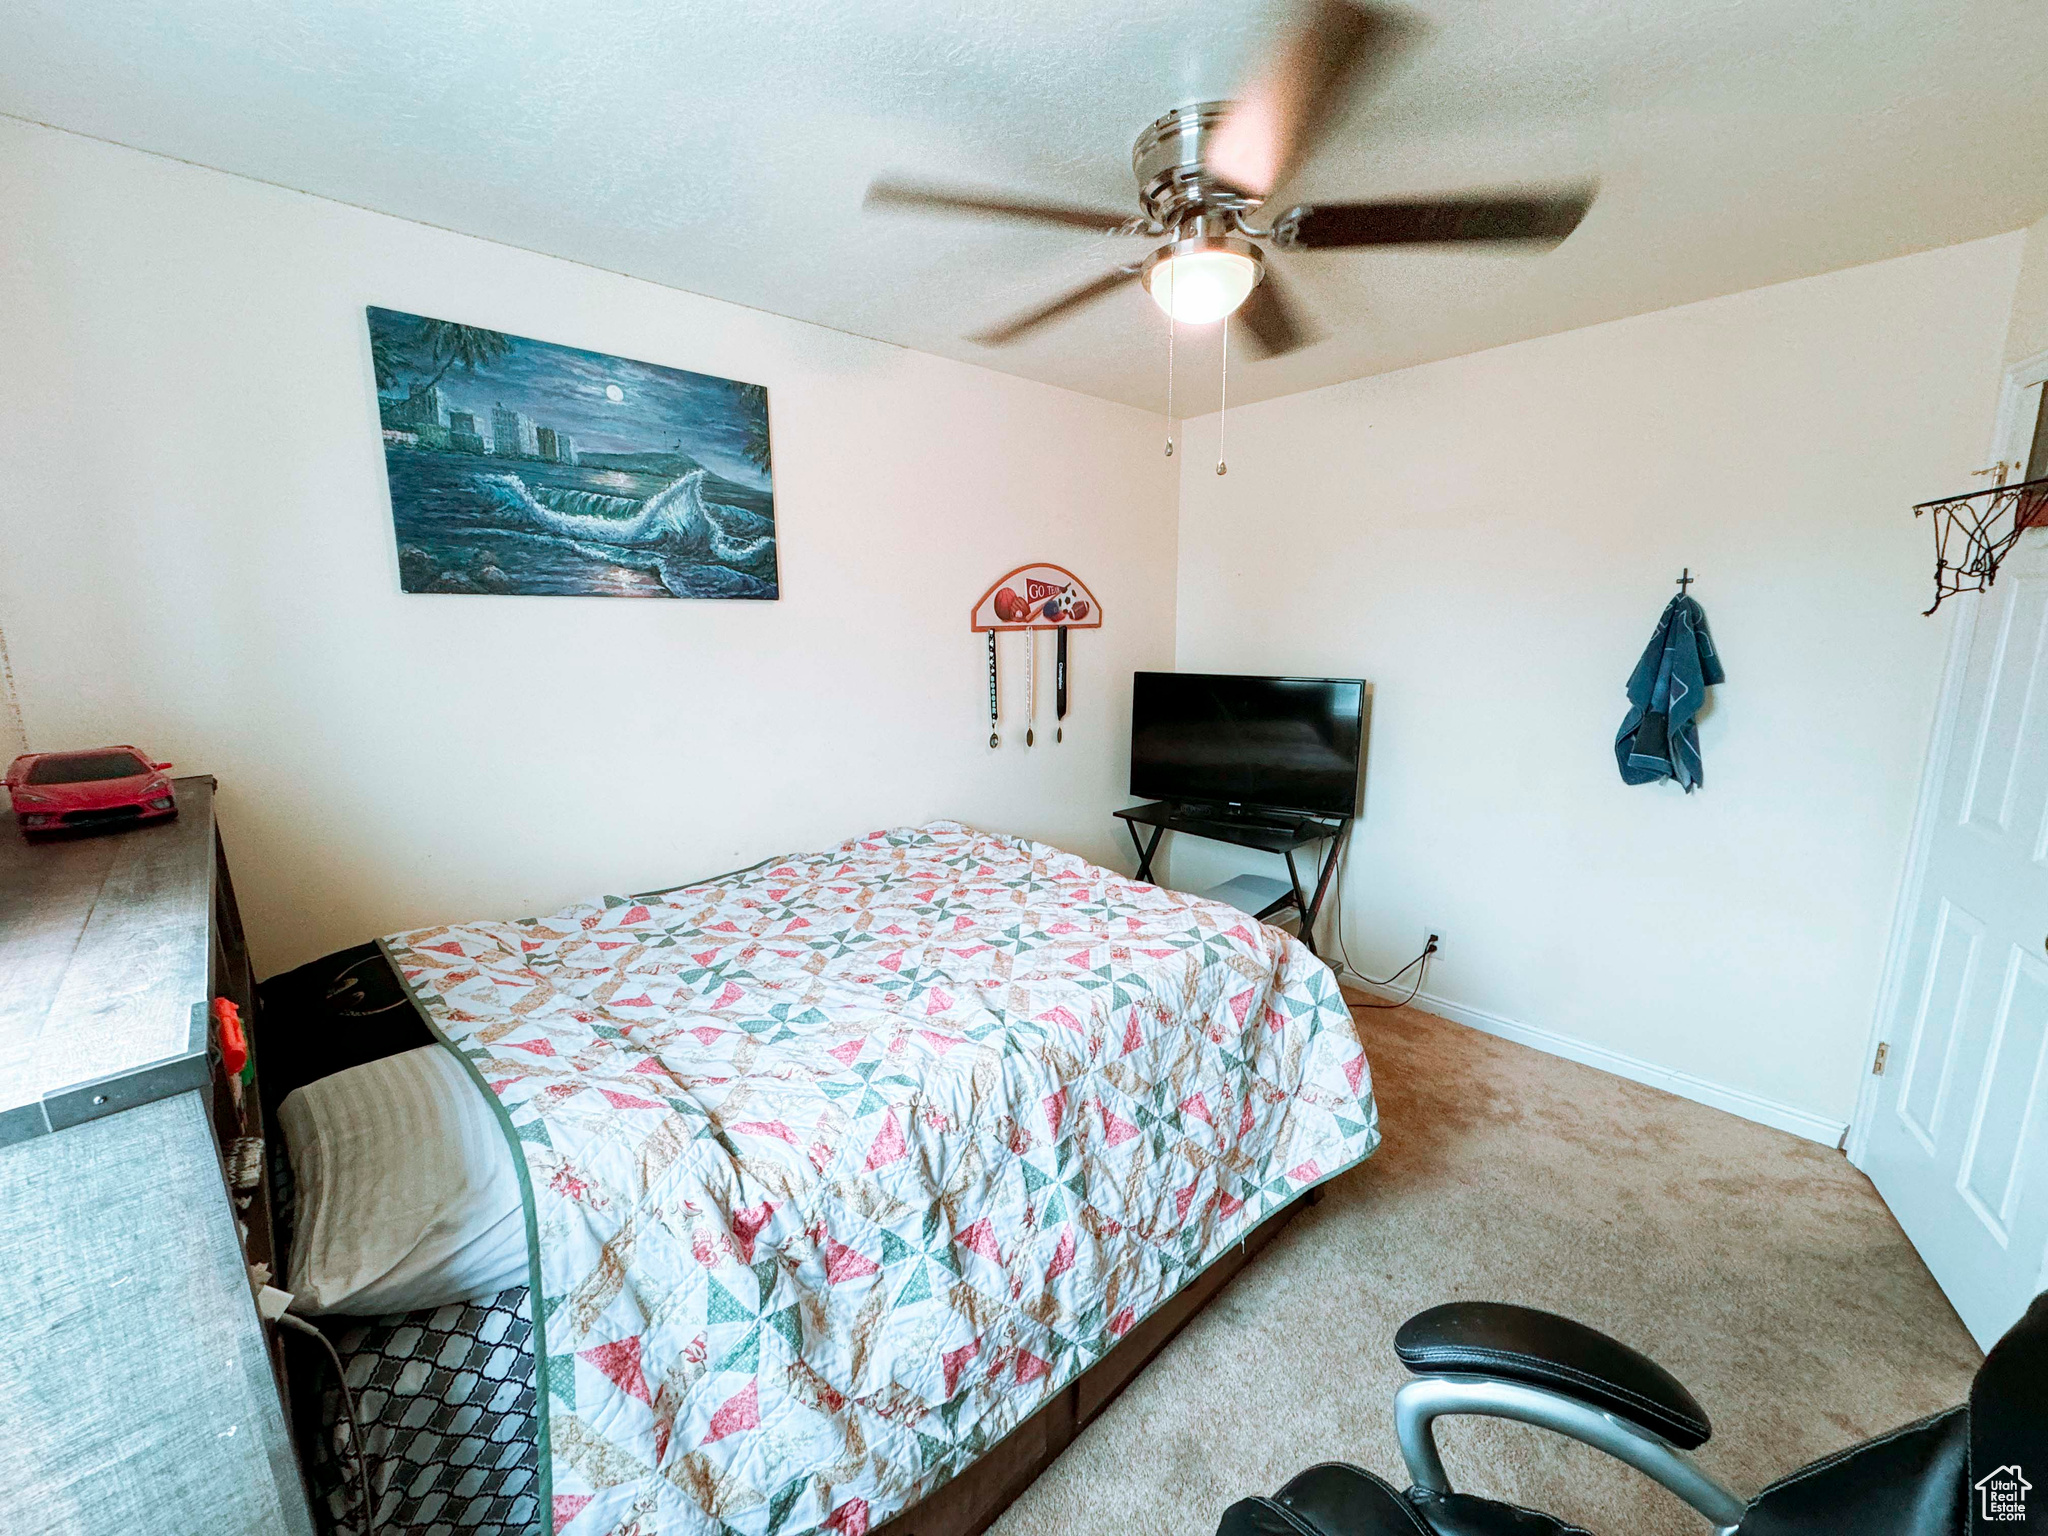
(357, 1444)
(1346, 968)
(1421, 960)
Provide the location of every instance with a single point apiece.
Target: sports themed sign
(1037, 597)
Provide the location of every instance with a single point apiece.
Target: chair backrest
(2009, 1424)
(1909, 1482)
(1960, 1470)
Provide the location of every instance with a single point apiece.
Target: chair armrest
(1426, 1399)
(1540, 1349)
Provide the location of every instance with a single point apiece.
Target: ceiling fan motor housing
(1173, 182)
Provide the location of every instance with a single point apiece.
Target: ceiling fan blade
(903, 194)
(1275, 321)
(1002, 335)
(1541, 216)
(1278, 117)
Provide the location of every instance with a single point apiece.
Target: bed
(856, 1182)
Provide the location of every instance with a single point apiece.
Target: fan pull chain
(1223, 413)
(1169, 386)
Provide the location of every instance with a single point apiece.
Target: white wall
(2027, 334)
(13, 741)
(199, 558)
(1490, 540)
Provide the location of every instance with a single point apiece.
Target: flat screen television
(1262, 743)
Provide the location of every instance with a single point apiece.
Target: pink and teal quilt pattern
(841, 1167)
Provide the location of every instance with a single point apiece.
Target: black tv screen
(1283, 743)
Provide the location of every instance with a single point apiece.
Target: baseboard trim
(1736, 1101)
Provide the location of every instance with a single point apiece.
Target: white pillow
(407, 1195)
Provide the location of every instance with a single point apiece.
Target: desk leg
(1145, 850)
(1315, 905)
(1301, 905)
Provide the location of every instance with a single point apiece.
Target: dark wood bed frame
(969, 1504)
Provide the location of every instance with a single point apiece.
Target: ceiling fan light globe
(1201, 286)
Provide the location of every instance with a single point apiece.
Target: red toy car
(53, 791)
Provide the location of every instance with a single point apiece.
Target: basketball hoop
(1975, 531)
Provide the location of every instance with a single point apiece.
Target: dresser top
(104, 949)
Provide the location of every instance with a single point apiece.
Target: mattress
(840, 1168)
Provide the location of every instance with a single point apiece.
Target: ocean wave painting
(524, 468)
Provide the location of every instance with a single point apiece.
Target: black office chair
(1924, 1479)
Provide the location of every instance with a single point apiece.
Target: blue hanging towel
(1658, 740)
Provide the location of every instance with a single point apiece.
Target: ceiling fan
(1205, 172)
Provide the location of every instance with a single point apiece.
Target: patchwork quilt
(841, 1167)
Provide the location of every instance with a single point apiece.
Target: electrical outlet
(1433, 941)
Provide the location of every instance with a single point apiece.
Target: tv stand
(1281, 832)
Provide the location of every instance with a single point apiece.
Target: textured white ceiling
(724, 148)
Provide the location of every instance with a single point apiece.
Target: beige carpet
(1760, 1269)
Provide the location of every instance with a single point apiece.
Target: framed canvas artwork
(525, 468)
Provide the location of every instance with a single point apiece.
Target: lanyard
(1030, 682)
(994, 739)
(1059, 688)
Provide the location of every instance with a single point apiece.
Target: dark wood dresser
(139, 1388)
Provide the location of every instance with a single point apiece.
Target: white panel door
(1958, 1140)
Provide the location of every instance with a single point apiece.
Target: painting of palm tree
(522, 467)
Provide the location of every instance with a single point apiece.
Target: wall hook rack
(1685, 581)
(1030, 598)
